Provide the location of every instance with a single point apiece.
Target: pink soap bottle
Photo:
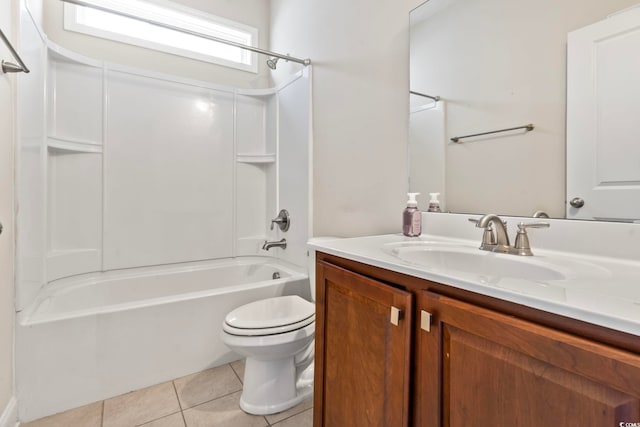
(411, 217)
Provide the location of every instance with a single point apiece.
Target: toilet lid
(272, 313)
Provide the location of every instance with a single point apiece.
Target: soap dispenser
(411, 217)
(434, 203)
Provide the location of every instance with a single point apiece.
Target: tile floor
(205, 399)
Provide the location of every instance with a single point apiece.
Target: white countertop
(594, 287)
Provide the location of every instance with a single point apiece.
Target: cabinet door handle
(425, 320)
(396, 315)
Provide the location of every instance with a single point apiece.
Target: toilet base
(274, 386)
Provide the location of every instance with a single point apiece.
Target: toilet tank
(311, 261)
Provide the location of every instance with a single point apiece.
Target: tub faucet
(279, 244)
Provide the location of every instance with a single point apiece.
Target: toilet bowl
(276, 337)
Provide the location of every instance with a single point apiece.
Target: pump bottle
(411, 217)
(434, 203)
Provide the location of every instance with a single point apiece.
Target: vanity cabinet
(456, 358)
(363, 378)
(484, 368)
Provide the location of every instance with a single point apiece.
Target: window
(128, 30)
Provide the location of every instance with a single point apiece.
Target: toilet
(276, 337)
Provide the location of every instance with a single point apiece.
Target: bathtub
(94, 336)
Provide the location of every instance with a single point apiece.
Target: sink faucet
(279, 244)
(500, 241)
(502, 238)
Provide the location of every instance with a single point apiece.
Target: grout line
(211, 400)
(175, 390)
(102, 415)
(237, 375)
(184, 420)
(156, 419)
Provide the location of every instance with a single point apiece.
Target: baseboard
(9, 417)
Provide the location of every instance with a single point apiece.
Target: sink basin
(466, 260)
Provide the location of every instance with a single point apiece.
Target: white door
(603, 119)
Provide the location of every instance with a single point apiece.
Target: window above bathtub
(123, 29)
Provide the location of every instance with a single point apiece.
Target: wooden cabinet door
(482, 368)
(362, 356)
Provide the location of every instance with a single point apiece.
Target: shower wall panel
(75, 101)
(74, 212)
(74, 166)
(169, 164)
(120, 168)
(256, 168)
(294, 124)
(31, 166)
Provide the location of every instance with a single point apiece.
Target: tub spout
(279, 244)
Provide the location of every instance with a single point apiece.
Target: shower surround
(135, 184)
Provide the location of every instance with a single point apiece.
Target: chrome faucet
(500, 241)
(279, 244)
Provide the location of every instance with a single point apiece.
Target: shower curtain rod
(435, 98)
(10, 67)
(304, 62)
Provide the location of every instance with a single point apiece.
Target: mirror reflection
(500, 64)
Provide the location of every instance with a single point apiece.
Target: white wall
(250, 12)
(7, 141)
(359, 51)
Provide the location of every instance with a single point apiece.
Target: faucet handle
(283, 220)
(524, 226)
(521, 245)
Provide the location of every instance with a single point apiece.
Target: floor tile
(206, 385)
(301, 407)
(304, 419)
(223, 412)
(141, 406)
(174, 420)
(85, 416)
(238, 367)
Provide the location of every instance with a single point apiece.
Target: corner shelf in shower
(256, 158)
(257, 92)
(73, 145)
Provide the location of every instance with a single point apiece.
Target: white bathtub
(94, 336)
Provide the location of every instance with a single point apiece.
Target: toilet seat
(268, 331)
(270, 316)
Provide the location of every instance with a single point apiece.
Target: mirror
(495, 64)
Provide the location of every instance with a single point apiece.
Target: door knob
(577, 202)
